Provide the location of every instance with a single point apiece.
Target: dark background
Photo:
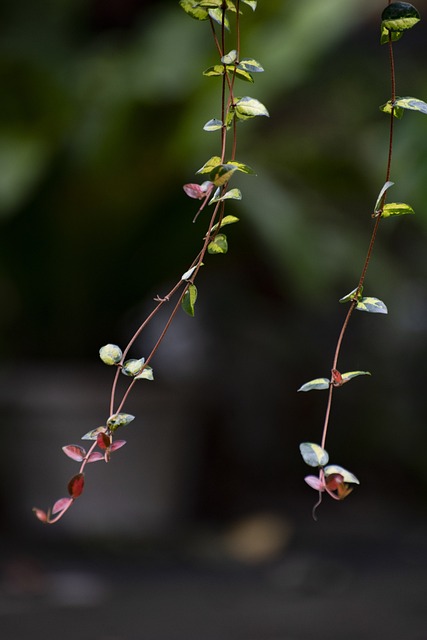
(201, 526)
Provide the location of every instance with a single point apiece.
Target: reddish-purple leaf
(95, 457)
(61, 504)
(76, 484)
(103, 441)
(315, 483)
(117, 444)
(40, 514)
(75, 452)
(194, 191)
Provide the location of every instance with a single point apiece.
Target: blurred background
(201, 526)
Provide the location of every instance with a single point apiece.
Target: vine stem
(353, 304)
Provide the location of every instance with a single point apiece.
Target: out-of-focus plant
(396, 19)
(213, 191)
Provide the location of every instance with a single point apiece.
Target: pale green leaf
(146, 374)
(244, 168)
(187, 275)
(413, 104)
(316, 384)
(194, 10)
(372, 305)
(216, 70)
(213, 125)
(251, 65)
(352, 295)
(385, 188)
(210, 164)
(242, 74)
(313, 455)
(346, 475)
(396, 209)
(189, 298)
(92, 435)
(119, 420)
(132, 367)
(218, 245)
(110, 354)
(248, 107)
(219, 17)
(221, 174)
(230, 57)
(226, 220)
(233, 194)
(353, 374)
(251, 3)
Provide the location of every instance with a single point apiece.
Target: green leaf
(399, 16)
(396, 209)
(146, 374)
(385, 188)
(189, 299)
(243, 75)
(347, 476)
(316, 384)
(194, 10)
(251, 65)
(386, 34)
(221, 174)
(210, 164)
(119, 420)
(352, 295)
(213, 125)
(233, 194)
(353, 374)
(218, 245)
(313, 455)
(230, 57)
(388, 107)
(229, 118)
(244, 168)
(248, 107)
(372, 305)
(216, 70)
(413, 104)
(226, 220)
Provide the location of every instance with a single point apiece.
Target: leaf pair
(397, 18)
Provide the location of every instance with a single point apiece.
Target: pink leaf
(74, 452)
(95, 457)
(61, 504)
(194, 191)
(315, 483)
(76, 485)
(117, 444)
(41, 515)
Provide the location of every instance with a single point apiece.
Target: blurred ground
(357, 575)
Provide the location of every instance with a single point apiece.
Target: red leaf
(95, 457)
(74, 452)
(76, 484)
(41, 515)
(61, 504)
(337, 380)
(117, 444)
(103, 441)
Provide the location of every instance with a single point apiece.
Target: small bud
(110, 354)
(133, 367)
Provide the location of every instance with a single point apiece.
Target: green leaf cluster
(205, 9)
(364, 303)
(397, 18)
